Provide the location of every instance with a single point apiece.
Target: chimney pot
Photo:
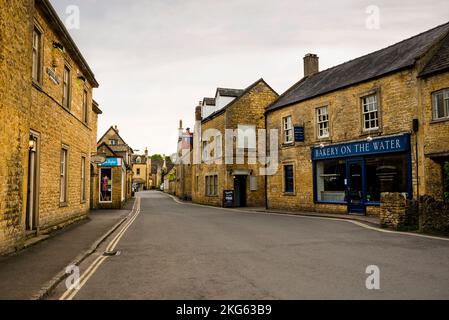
(311, 64)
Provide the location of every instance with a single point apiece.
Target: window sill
(439, 120)
(367, 133)
(37, 85)
(289, 194)
(63, 204)
(287, 145)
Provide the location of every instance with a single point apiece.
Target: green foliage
(446, 181)
(156, 157)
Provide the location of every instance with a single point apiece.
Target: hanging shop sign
(112, 162)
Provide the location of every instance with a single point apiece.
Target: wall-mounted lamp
(369, 139)
(32, 144)
(321, 145)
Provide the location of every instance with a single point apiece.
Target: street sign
(97, 159)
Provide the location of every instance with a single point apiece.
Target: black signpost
(228, 198)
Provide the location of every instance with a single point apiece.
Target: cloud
(155, 59)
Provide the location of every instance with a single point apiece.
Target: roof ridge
(382, 49)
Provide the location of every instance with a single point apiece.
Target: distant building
(113, 178)
(141, 171)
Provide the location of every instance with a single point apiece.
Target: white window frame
(370, 112)
(287, 130)
(322, 121)
(445, 94)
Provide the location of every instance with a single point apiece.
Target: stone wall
(397, 95)
(398, 212)
(434, 216)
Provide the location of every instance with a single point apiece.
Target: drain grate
(111, 253)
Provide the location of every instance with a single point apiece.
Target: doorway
(32, 208)
(240, 191)
(355, 186)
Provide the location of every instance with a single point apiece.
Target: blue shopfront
(354, 174)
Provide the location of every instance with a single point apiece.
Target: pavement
(174, 250)
(26, 274)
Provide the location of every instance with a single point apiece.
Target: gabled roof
(108, 148)
(115, 131)
(209, 101)
(222, 110)
(440, 60)
(228, 92)
(394, 58)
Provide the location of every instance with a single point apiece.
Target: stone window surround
(83, 178)
(288, 163)
(433, 120)
(39, 28)
(85, 108)
(283, 134)
(375, 91)
(211, 175)
(66, 171)
(69, 93)
(317, 128)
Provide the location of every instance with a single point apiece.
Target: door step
(32, 241)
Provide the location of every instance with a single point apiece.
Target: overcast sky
(155, 59)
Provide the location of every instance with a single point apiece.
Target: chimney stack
(311, 64)
(198, 116)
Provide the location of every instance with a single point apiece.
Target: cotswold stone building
(141, 165)
(113, 178)
(48, 124)
(378, 123)
(212, 175)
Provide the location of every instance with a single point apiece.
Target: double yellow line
(70, 293)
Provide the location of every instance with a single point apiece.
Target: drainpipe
(266, 152)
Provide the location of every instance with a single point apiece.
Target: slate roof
(228, 92)
(440, 60)
(394, 58)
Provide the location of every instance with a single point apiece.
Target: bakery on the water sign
(363, 147)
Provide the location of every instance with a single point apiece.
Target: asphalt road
(185, 251)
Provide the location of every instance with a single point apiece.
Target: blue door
(355, 186)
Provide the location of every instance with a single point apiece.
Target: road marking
(357, 223)
(70, 293)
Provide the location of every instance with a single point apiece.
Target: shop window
(330, 182)
(289, 180)
(441, 105)
(322, 117)
(288, 129)
(370, 113)
(106, 185)
(385, 174)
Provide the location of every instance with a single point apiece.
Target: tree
(155, 157)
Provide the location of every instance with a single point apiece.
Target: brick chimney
(311, 64)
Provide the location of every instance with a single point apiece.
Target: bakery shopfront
(354, 174)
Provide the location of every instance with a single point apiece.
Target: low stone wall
(398, 212)
(434, 216)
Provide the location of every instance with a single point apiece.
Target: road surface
(185, 251)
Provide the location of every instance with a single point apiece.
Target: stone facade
(248, 109)
(397, 212)
(33, 110)
(402, 96)
(141, 165)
